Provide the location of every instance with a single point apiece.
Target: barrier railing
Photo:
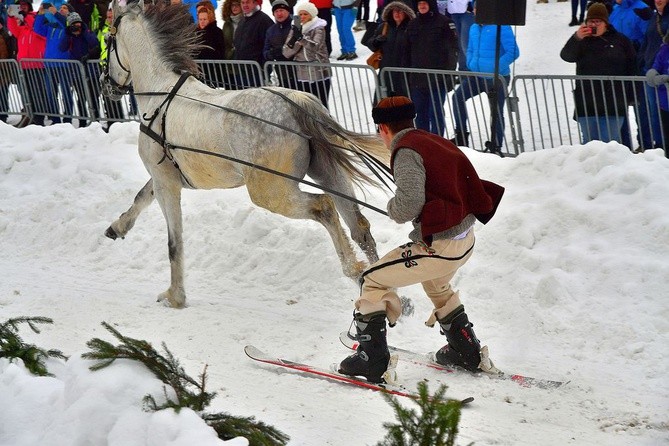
(537, 112)
(546, 110)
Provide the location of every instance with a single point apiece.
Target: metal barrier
(539, 109)
(448, 98)
(65, 90)
(12, 92)
(351, 93)
(546, 110)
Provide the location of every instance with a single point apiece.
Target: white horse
(288, 134)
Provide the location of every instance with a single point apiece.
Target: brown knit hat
(597, 11)
(393, 109)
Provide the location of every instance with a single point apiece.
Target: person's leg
(346, 31)
(469, 87)
(421, 99)
(585, 123)
(437, 99)
(574, 8)
(323, 91)
(500, 96)
(642, 116)
(654, 116)
(609, 128)
(584, 5)
(339, 21)
(664, 117)
(326, 14)
(462, 23)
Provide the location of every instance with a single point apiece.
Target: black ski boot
(463, 349)
(461, 138)
(372, 356)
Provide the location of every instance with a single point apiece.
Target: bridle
(111, 86)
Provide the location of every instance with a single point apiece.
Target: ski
(428, 360)
(310, 370)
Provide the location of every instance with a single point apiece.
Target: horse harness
(161, 137)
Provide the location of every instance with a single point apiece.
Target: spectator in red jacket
(30, 46)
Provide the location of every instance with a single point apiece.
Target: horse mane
(175, 35)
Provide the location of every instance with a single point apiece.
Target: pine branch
(189, 392)
(12, 346)
(256, 432)
(437, 424)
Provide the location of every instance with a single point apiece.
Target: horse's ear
(118, 6)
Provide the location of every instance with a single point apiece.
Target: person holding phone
(306, 43)
(599, 50)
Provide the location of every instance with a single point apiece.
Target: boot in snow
(461, 138)
(372, 356)
(463, 348)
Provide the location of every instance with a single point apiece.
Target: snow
(567, 282)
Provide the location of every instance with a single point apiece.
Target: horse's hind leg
(284, 197)
(349, 211)
(126, 221)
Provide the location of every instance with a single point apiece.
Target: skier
(441, 193)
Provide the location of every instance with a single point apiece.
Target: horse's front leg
(121, 226)
(168, 195)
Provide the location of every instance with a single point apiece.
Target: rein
(162, 140)
(372, 163)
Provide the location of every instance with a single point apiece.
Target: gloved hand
(84, 59)
(297, 36)
(655, 79)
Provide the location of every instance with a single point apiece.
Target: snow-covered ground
(568, 281)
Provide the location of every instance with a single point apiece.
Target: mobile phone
(593, 30)
(296, 21)
(13, 10)
(46, 5)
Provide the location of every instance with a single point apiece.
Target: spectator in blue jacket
(630, 18)
(51, 24)
(658, 77)
(79, 43)
(481, 58)
(658, 28)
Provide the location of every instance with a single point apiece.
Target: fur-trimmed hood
(387, 14)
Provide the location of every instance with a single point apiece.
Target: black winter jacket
(212, 36)
(611, 54)
(433, 44)
(250, 37)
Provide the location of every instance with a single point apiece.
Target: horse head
(116, 79)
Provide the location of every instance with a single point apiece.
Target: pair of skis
(392, 388)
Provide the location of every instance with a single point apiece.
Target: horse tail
(332, 144)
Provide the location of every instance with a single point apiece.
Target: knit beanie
(281, 4)
(73, 18)
(309, 8)
(69, 7)
(29, 3)
(393, 109)
(597, 11)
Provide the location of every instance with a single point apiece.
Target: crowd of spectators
(621, 37)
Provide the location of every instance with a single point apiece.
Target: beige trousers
(432, 267)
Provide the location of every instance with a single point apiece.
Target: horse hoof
(110, 233)
(169, 300)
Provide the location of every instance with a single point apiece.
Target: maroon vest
(453, 189)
